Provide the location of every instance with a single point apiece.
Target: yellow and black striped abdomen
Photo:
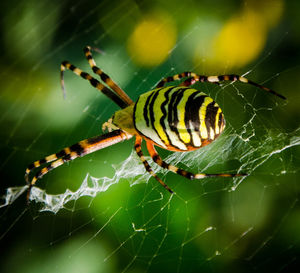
(178, 118)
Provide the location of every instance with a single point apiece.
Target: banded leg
(157, 159)
(95, 83)
(104, 77)
(190, 81)
(138, 149)
(193, 78)
(79, 149)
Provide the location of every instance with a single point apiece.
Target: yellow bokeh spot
(240, 41)
(242, 38)
(152, 40)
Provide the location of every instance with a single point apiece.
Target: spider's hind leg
(138, 149)
(193, 78)
(158, 160)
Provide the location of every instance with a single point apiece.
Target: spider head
(109, 126)
(122, 119)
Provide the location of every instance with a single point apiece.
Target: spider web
(103, 212)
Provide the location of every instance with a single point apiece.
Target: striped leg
(175, 78)
(190, 81)
(79, 149)
(193, 78)
(157, 159)
(104, 77)
(138, 149)
(66, 65)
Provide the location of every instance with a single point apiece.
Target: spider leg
(193, 77)
(138, 149)
(175, 77)
(157, 159)
(191, 80)
(104, 77)
(79, 149)
(95, 83)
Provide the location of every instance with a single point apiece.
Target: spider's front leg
(79, 149)
(94, 82)
(104, 77)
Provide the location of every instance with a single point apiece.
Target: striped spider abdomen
(178, 118)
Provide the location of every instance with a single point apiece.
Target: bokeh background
(216, 225)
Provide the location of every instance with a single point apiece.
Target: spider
(176, 118)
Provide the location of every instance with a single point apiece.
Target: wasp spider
(176, 118)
